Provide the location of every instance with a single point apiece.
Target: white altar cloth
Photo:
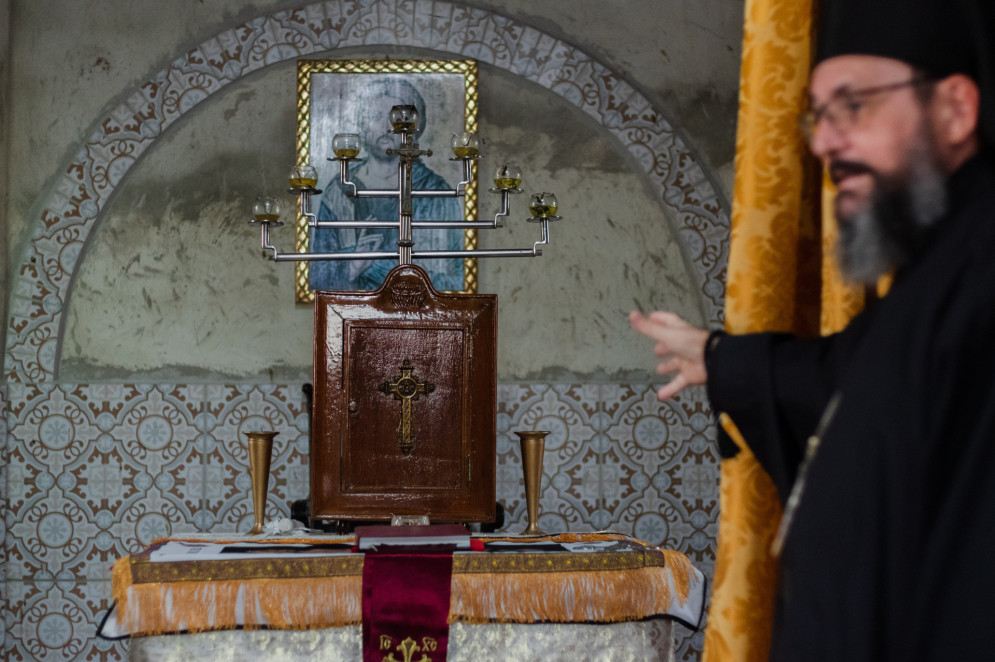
(647, 641)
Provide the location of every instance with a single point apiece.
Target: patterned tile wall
(3, 505)
(94, 472)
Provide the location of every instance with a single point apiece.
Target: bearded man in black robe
(883, 435)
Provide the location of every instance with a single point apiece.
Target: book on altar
(377, 535)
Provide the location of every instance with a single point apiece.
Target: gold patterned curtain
(781, 277)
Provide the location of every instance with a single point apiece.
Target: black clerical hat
(940, 37)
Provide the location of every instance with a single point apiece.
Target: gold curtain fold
(781, 277)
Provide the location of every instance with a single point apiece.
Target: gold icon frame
(309, 108)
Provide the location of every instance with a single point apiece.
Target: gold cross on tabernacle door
(406, 388)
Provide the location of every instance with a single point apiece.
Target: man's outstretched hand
(681, 346)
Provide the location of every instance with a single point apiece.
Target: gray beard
(889, 231)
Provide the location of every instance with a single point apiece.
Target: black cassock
(891, 555)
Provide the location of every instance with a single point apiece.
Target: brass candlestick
(260, 452)
(533, 443)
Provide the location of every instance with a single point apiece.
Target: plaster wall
(173, 240)
(174, 287)
(5, 150)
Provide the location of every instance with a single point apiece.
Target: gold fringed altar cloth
(568, 578)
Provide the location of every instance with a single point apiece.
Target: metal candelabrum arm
(305, 196)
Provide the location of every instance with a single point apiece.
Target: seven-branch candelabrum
(403, 121)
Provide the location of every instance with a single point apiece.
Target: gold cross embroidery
(406, 388)
(409, 647)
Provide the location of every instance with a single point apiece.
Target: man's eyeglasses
(843, 109)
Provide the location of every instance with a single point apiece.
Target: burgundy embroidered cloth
(406, 604)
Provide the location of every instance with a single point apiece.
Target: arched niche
(75, 204)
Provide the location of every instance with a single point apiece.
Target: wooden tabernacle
(405, 397)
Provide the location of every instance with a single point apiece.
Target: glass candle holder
(303, 176)
(404, 118)
(508, 176)
(543, 205)
(266, 209)
(346, 145)
(466, 145)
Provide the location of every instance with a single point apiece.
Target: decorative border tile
(95, 472)
(232, 411)
(664, 457)
(4, 462)
(571, 485)
(56, 621)
(667, 465)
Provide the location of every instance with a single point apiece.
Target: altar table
(600, 596)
